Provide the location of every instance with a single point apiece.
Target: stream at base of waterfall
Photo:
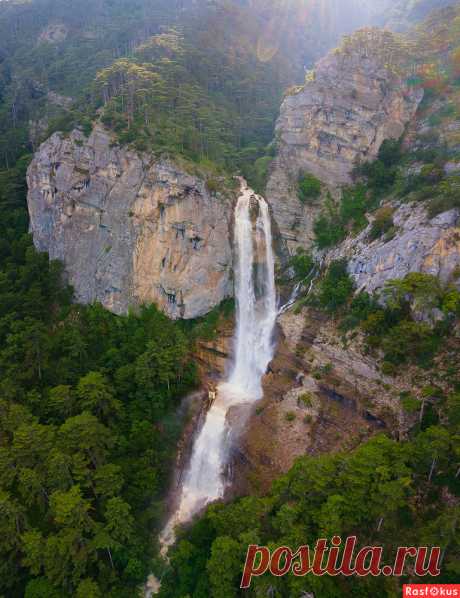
(204, 480)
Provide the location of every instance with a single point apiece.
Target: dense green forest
(178, 76)
(89, 401)
(91, 35)
(383, 492)
(88, 425)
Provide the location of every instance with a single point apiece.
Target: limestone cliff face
(354, 100)
(129, 228)
(418, 245)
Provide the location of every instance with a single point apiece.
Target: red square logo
(426, 590)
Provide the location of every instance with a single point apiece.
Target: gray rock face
(354, 100)
(130, 229)
(54, 33)
(420, 245)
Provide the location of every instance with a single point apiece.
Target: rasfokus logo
(339, 557)
(427, 590)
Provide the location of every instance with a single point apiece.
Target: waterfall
(256, 313)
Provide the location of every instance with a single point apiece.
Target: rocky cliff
(354, 99)
(130, 229)
(319, 397)
(326, 389)
(419, 244)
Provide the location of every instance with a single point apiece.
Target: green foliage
(308, 188)
(381, 173)
(362, 307)
(40, 587)
(88, 422)
(328, 230)
(336, 288)
(305, 399)
(224, 566)
(334, 223)
(451, 303)
(453, 408)
(410, 340)
(421, 291)
(87, 401)
(88, 589)
(302, 264)
(390, 152)
(432, 155)
(353, 207)
(95, 394)
(200, 100)
(410, 404)
(13, 188)
(328, 227)
(428, 183)
(372, 487)
(383, 222)
(394, 327)
(446, 197)
(205, 328)
(212, 185)
(257, 175)
(381, 177)
(190, 82)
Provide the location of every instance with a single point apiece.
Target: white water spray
(256, 315)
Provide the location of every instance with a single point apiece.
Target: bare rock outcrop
(319, 397)
(54, 33)
(418, 245)
(355, 99)
(130, 229)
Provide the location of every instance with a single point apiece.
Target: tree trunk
(433, 464)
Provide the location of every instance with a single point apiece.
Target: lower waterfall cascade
(256, 311)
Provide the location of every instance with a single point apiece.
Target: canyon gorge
(229, 291)
(131, 229)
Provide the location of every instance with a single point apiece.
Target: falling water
(256, 314)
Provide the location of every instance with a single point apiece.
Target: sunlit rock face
(130, 229)
(354, 100)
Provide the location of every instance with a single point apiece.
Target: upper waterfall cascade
(256, 312)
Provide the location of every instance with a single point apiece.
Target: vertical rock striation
(129, 228)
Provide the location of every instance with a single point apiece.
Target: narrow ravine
(256, 311)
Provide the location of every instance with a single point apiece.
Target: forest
(90, 402)
(188, 80)
(89, 422)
